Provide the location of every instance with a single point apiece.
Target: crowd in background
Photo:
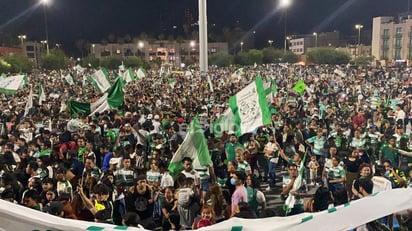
(349, 128)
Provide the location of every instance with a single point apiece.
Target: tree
(290, 57)
(111, 62)
(90, 61)
(364, 60)
(133, 61)
(80, 43)
(15, 63)
(221, 59)
(249, 58)
(272, 55)
(327, 55)
(55, 60)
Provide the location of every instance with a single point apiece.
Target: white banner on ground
(341, 218)
(17, 217)
(345, 217)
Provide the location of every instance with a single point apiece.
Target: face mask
(233, 181)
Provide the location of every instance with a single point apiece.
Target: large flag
(29, 103)
(128, 75)
(193, 146)
(250, 108)
(69, 79)
(10, 85)
(42, 95)
(79, 68)
(111, 99)
(225, 123)
(140, 73)
(238, 74)
(290, 201)
(300, 87)
(100, 80)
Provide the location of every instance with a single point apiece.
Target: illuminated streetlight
(241, 46)
(140, 44)
(270, 42)
(359, 28)
(192, 45)
(22, 37)
(46, 3)
(284, 4)
(316, 38)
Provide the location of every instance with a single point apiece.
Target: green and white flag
(3, 75)
(69, 79)
(128, 75)
(79, 68)
(250, 108)
(42, 95)
(29, 103)
(238, 74)
(111, 99)
(172, 83)
(193, 146)
(10, 85)
(300, 87)
(140, 73)
(100, 80)
(225, 123)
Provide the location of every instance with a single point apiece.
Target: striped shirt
(153, 176)
(124, 178)
(243, 166)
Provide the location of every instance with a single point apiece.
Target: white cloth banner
(10, 85)
(16, 217)
(341, 218)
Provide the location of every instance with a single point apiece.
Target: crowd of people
(349, 130)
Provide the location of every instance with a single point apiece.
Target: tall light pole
(316, 38)
(241, 46)
(270, 41)
(284, 4)
(359, 28)
(22, 37)
(45, 3)
(191, 47)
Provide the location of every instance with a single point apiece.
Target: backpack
(140, 204)
(251, 199)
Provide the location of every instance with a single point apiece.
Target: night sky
(69, 20)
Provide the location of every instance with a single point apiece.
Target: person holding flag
(294, 186)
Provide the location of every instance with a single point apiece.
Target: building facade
(392, 40)
(301, 44)
(34, 51)
(171, 53)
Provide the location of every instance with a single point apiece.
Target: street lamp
(45, 3)
(22, 37)
(192, 45)
(241, 46)
(284, 4)
(316, 38)
(93, 48)
(270, 42)
(359, 28)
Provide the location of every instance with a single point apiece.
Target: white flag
(100, 80)
(140, 73)
(29, 103)
(250, 107)
(42, 95)
(10, 85)
(128, 75)
(69, 79)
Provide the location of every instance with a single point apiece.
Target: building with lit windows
(392, 40)
(171, 53)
